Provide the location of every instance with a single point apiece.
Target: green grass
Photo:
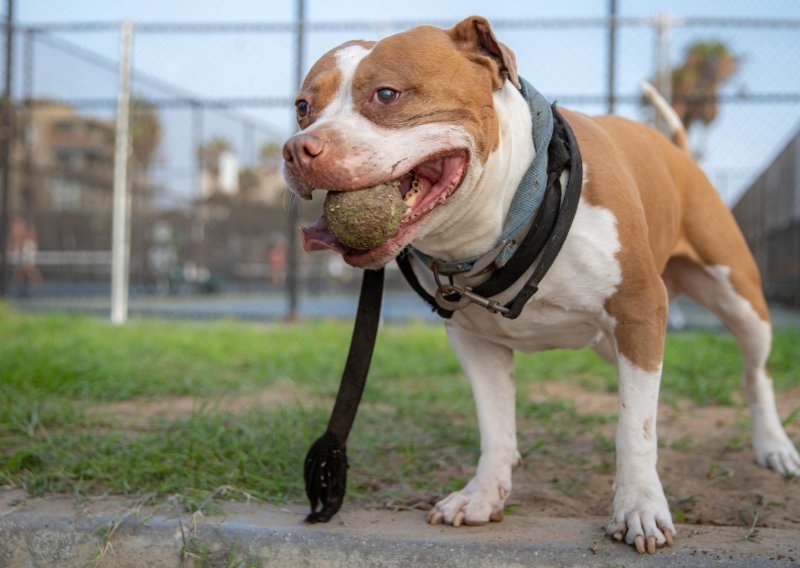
(58, 373)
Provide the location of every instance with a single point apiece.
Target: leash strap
(325, 468)
(404, 262)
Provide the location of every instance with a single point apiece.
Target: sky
(562, 61)
(243, 10)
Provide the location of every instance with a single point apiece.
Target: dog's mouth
(423, 188)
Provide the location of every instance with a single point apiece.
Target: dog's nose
(301, 149)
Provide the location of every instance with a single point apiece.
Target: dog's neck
(482, 203)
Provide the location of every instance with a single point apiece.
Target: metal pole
(28, 186)
(121, 237)
(195, 244)
(662, 74)
(251, 143)
(197, 142)
(294, 210)
(7, 137)
(612, 54)
(247, 144)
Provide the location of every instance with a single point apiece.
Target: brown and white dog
(443, 106)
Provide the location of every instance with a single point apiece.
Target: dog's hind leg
(743, 311)
(490, 368)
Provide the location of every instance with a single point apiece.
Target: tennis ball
(365, 218)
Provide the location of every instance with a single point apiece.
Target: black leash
(326, 464)
(325, 469)
(545, 237)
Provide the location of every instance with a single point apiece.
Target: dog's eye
(386, 95)
(302, 107)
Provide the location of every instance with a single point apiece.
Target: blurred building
(221, 174)
(63, 186)
(239, 218)
(74, 154)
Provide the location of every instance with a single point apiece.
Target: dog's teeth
(412, 195)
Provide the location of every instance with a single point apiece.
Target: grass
(59, 375)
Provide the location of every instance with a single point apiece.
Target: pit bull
(444, 112)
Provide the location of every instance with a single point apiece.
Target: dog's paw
(779, 454)
(476, 504)
(642, 518)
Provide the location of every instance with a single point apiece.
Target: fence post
(121, 234)
(662, 67)
(6, 142)
(294, 208)
(612, 55)
(28, 184)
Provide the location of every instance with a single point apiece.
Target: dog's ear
(474, 34)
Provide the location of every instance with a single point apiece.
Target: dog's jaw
(424, 189)
(361, 154)
(484, 203)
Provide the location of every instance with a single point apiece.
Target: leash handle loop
(325, 466)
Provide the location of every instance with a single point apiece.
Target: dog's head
(417, 105)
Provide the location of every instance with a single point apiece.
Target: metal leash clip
(465, 296)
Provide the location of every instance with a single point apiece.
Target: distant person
(277, 264)
(22, 248)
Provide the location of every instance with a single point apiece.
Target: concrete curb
(55, 533)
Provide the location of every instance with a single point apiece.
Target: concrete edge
(263, 535)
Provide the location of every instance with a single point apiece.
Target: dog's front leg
(641, 514)
(490, 368)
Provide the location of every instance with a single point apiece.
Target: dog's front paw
(641, 517)
(778, 453)
(476, 504)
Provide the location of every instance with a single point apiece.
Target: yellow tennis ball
(365, 218)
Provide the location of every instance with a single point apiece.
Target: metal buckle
(465, 296)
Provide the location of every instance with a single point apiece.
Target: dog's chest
(539, 328)
(568, 311)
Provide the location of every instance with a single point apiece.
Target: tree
(146, 135)
(249, 182)
(210, 152)
(706, 66)
(271, 149)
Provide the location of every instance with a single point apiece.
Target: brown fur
(664, 205)
(427, 65)
(665, 208)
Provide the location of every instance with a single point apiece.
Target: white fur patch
(640, 507)
(492, 380)
(568, 311)
(347, 59)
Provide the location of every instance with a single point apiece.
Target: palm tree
(695, 84)
(146, 135)
(210, 152)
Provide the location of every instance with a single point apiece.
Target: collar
(525, 202)
(539, 241)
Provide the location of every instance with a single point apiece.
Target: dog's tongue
(319, 237)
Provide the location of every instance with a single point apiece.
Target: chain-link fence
(209, 207)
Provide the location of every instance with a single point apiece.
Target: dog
(444, 109)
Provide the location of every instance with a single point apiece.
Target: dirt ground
(706, 465)
(705, 459)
